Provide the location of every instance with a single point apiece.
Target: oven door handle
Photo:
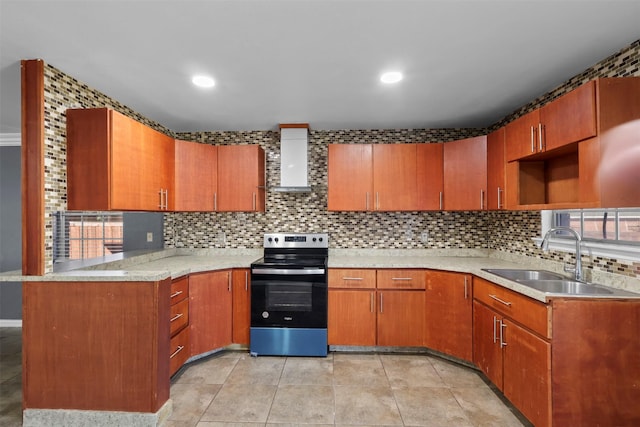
(288, 271)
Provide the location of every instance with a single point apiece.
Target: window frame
(614, 249)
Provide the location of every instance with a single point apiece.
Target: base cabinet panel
(241, 306)
(210, 311)
(487, 352)
(400, 318)
(352, 317)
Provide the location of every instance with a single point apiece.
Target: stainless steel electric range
(289, 296)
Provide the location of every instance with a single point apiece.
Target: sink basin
(515, 274)
(570, 287)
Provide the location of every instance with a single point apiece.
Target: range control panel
(296, 240)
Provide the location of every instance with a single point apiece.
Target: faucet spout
(545, 246)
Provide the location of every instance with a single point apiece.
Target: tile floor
(234, 389)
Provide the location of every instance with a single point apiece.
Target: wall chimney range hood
(294, 141)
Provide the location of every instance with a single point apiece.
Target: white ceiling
(466, 63)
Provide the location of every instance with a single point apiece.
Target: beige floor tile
(257, 370)
(455, 375)
(303, 404)
(484, 408)
(214, 370)
(191, 400)
(217, 424)
(359, 371)
(241, 403)
(411, 371)
(430, 406)
(363, 404)
(307, 370)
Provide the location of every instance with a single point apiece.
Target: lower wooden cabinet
(178, 324)
(362, 312)
(210, 308)
(448, 313)
(241, 313)
(178, 350)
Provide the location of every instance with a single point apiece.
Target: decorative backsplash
(509, 232)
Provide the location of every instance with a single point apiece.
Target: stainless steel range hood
(294, 141)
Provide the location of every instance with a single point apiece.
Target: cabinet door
(126, 168)
(527, 373)
(157, 164)
(196, 175)
(350, 177)
(465, 174)
(430, 176)
(394, 177)
(400, 318)
(448, 313)
(210, 311)
(521, 136)
(496, 168)
(352, 317)
(241, 306)
(487, 353)
(241, 179)
(570, 118)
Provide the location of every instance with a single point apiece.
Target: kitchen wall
(509, 232)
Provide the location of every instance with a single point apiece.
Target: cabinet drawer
(179, 316)
(179, 289)
(401, 279)
(524, 310)
(178, 351)
(352, 278)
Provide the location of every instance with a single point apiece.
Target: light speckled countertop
(178, 262)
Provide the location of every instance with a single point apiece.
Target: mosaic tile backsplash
(508, 232)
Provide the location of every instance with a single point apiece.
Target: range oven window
(289, 296)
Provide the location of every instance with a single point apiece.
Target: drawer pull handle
(352, 278)
(401, 278)
(178, 350)
(508, 304)
(175, 294)
(177, 316)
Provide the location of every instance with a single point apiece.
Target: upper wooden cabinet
(591, 163)
(465, 174)
(117, 163)
(496, 168)
(196, 176)
(430, 171)
(384, 177)
(241, 178)
(570, 118)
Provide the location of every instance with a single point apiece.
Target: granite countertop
(179, 262)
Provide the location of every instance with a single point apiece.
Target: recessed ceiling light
(203, 81)
(391, 77)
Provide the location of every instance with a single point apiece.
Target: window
(611, 233)
(621, 226)
(84, 235)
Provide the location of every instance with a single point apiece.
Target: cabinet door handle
(229, 281)
(366, 201)
(466, 292)
(175, 294)
(495, 338)
(503, 343)
(160, 206)
(215, 201)
(401, 278)
(180, 348)
(246, 280)
(540, 143)
(377, 201)
(254, 201)
(481, 199)
(176, 317)
(499, 198)
(381, 311)
(372, 302)
(507, 303)
(441, 200)
(533, 139)
(166, 199)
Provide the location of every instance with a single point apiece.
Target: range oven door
(289, 297)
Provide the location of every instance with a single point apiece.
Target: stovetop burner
(294, 249)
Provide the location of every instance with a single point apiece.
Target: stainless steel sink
(517, 275)
(565, 286)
